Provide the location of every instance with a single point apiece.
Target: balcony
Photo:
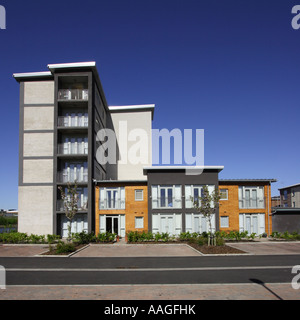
(76, 148)
(251, 203)
(77, 121)
(79, 176)
(73, 94)
(81, 205)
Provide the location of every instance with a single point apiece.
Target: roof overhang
(285, 209)
(183, 168)
(33, 75)
(97, 182)
(291, 186)
(247, 180)
(133, 108)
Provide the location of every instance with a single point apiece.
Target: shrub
(106, 237)
(33, 238)
(62, 247)
(51, 238)
(83, 237)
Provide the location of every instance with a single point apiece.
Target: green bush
(106, 237)
(6, 221)
(62, 247)
(51, 238)
(285, 235)
(83, 237)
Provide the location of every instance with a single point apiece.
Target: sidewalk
(248, 291)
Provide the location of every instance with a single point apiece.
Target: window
(285, 193)
(251, 197)
(112, 198)
(193, 192)
(138, 195)
(166, 196)
(74, 171)
(223, 194)
(224, 222)
(139, 222)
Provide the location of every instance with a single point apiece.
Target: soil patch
(205, 249)
(53, 251)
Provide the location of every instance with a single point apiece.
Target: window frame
(138, 218)
(224, 199)
(135, 193)
(227, 222)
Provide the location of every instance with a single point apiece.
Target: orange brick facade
(230, 207)
(132, 209)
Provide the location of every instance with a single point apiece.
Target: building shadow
(257, 281)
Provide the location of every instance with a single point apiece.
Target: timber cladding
(133, 208)
(230, 207)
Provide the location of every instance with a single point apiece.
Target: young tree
(206, 205)
(70, 200)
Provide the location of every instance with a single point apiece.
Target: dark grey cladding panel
(180, 177)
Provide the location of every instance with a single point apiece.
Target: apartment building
(121, 206)
(62, 111)
(290, 196)
(64, 117)
(170, 193)
(245, 205)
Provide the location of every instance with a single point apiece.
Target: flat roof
(88, 64)
(248, 180)
(152, 168)
(291, 186)
(287, 209)
(120, 181)
(53, 67)
(132, 108)
(42, 74)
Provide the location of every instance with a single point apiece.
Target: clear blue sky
(230, 67)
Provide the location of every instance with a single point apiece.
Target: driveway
(137, 250)
(268, 247)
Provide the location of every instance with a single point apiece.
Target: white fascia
(183, 167)
(133, 107)
(32, 74)
(72, 65)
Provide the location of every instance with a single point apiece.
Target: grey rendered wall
(286, 221)
(171, 177)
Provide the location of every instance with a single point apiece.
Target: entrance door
(251, 223)
(112, 224)
(167, 224)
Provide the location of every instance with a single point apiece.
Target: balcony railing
(112, 204)
(82, 205)
(78, 121)
(77, 148)
(166, 202)
(252, 203)
(73, 94)
(72, 176)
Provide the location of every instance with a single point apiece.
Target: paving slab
(137, 250)
(268, 248)
(30, 250)
(268, 291)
